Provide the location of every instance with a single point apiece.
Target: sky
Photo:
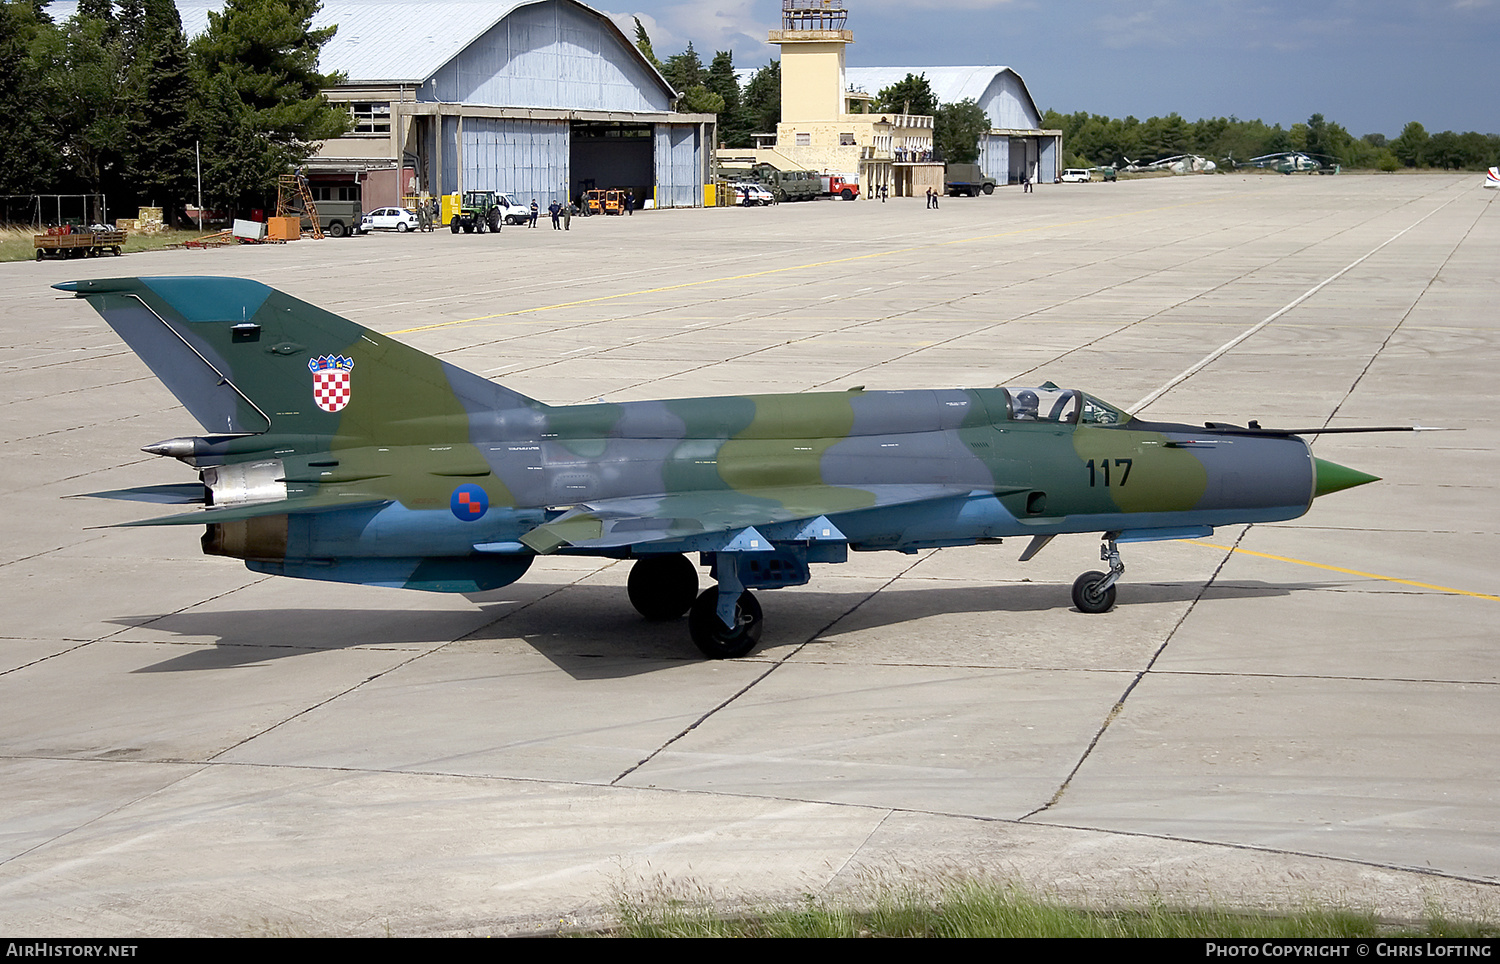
(1371, 66)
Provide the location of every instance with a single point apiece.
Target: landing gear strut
(663, 586)
(1094, 592)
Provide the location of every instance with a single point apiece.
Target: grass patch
(16, 243)
(974, 909)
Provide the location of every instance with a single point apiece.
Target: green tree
(911, 95)
(80, 71)
(1445, 150)
(643, 44)
(160, 108)
(1410, 147)
(763, 99)
(263, 106)
(698, 99)
(956, 131)
(734, 129)
(684, 70)
(27, 150)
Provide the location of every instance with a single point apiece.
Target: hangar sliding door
(994, 157)
(679, 165)
(526, 158)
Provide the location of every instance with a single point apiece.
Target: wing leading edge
(694, 521)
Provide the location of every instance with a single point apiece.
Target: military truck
(478, 212)
(966, 179)
(789, 185)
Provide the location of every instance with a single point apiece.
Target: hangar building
(828, 122)
(539, 98)
(1016, 143)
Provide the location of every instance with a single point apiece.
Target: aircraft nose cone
(1331, 477)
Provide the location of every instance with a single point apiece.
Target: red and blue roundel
(469, 502)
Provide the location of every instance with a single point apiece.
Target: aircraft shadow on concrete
(591, 632)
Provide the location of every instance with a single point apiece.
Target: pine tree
(159, 107)
(763, 99)
(263, 107)
(643, 44)
(733, 129)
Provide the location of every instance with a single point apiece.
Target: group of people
(932, 197)
(429, 215)
(562, 215)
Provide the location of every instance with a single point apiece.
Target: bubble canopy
(1064, 406)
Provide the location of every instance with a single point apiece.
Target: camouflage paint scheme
(421, 475)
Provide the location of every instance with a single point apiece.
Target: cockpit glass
(1096, 412)
(1046, 404)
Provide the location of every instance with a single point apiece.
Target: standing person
(534, 212)
(437, 214)
(555, 210)
(424, 215)
(630, 203)
(568, 216)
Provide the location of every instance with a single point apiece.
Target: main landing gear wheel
(662, 587)
(1087, 595)
(713, 638)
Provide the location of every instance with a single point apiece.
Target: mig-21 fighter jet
(334, 452)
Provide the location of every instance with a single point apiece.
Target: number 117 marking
(1102, 472)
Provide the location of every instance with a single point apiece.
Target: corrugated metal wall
(679, 161)
(528, 159)
(1008, 105)
(1047, 161)
(549, 55)
(994, 157)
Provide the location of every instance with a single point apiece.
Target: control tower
(812, 40)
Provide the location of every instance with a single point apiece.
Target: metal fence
(41, 210)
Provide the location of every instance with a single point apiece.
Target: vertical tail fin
(244, 358)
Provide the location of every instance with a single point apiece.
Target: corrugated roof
(950, 84)
(403, 41)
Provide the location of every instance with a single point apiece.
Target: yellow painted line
(1347, 572)
(798, 267)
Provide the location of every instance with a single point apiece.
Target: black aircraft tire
(662, 587)
(1087, 597)
(710, 635)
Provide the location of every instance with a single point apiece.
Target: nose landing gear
(1094, 592)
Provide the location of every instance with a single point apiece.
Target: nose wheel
(1094, 592)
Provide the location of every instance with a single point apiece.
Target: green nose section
(1331, 477)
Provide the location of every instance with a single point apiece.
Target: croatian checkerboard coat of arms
(331, 390)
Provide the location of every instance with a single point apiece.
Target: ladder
(290, 187)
